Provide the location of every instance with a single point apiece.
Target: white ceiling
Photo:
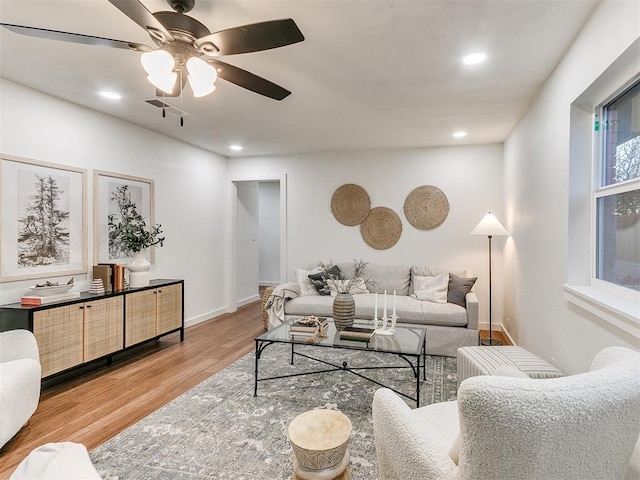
(370, 73)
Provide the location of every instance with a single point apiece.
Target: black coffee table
(407, 343)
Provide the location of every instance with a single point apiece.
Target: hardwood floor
(93, 405)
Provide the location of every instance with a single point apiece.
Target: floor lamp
(489, 226)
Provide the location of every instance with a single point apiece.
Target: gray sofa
(449, 326)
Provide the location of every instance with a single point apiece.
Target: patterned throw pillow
(319, 280)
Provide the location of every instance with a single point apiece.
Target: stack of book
(37, 300)
(304, 330)
(358, 333)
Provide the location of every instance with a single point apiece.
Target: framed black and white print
(43, 221)
(124, 197)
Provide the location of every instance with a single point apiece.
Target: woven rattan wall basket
(381, 229)
(426, 207)
(350, 204)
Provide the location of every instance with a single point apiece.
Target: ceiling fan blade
(250, 38)
(74, 37)
(248, 80)
(137, 12)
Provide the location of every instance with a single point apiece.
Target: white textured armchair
(19, 381)
(579, 427)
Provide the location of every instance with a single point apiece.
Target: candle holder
(388, 325)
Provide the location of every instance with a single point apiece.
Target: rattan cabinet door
(103, 327)
(140, 315)
(59, 335)
(169, 308)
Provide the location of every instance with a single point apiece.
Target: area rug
(219, 430)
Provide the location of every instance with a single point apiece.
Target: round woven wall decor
(382, 228)
(426, 207)
(350, 204)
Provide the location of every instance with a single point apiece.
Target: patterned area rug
(219, 430)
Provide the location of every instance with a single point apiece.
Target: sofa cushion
(458, 289)
(306, 285)
(425, 271)
(383, 277)
(319, 279)
(431, 289)
(356, 286)
(408, 309)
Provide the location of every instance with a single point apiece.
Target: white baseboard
(204, 317)
(246, 301)
(269, 284)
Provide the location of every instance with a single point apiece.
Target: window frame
(600, 190)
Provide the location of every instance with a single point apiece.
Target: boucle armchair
(19, 381)
(579, 427)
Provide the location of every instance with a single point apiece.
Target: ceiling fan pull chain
(164, 113)
(182, 121)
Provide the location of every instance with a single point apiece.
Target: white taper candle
(375, 312)
(384, 311)
(394, 302)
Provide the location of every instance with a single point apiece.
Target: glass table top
(406, 339)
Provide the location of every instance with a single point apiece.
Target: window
(617, 192)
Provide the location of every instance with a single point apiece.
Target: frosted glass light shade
(202, 76)
(489, 226)
(159, 64)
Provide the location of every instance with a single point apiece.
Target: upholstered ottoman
(474, 361)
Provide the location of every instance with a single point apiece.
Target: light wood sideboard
(91, 327)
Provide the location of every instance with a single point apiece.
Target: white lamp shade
(202, 76)
(489, 226)
(158, 62)
(164, 82)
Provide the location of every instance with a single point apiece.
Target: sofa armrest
(472, 311)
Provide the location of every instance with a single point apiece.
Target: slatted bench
(482, 360)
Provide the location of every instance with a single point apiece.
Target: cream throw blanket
(275, 303)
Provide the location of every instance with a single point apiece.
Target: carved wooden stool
(320, 440)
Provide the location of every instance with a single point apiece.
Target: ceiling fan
(185, 49)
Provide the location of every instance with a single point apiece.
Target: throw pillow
(458, 289)
(432, 289)
(319, 279)
(357, 286)
(306, 286)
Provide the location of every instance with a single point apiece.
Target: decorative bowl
(51, 290)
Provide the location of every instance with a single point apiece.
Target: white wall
(471, 177)
(269, 233)
(247, 238)
(189, 186)
(536, 178)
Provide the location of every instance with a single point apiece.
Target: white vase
(138, 270)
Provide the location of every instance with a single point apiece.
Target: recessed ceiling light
(235, 148)
(474, 58)
(110, 95)
(459, 134)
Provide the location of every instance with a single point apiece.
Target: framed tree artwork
(43, 220)
(123, 197)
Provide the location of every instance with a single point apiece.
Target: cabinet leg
(182, 334)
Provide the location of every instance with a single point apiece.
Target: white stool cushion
(57, 461)
(473, 361)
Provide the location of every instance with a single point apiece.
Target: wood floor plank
(95, 404)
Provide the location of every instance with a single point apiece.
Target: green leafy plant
(134, 235)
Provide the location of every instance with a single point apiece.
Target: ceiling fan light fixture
(158, 62)
(202, 77)
(164, 81)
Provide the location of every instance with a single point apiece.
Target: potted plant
(344, 306)
(134, 238)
